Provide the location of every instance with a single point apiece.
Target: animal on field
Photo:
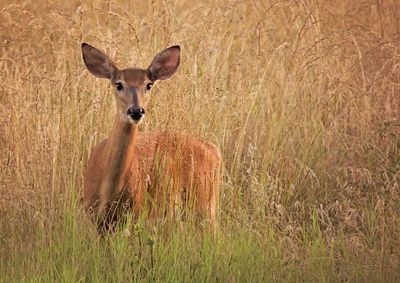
(157, 170)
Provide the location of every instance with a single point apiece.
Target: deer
(124, 171)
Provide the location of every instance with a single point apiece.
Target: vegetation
(302, 98)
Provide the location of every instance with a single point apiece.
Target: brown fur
(129, 169)
(192, 168)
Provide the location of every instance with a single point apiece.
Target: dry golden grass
(302, 98)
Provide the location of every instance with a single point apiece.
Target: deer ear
(97, 62)
(165, 63)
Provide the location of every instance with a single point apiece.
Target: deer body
(130, 168)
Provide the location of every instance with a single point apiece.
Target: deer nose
(135, 112)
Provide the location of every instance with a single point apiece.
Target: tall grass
(302, 98)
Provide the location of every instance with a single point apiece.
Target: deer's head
(132, 86)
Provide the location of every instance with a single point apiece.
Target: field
(302, 98)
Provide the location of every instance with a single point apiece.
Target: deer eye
(119, 86)
(148, 86)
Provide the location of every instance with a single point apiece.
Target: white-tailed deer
(124, 170)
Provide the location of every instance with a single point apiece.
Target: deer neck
(119, 157)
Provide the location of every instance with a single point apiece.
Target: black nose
(135, 112)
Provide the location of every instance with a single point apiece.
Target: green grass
(71, 253)
(68, 250)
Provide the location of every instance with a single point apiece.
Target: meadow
(301, 97)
